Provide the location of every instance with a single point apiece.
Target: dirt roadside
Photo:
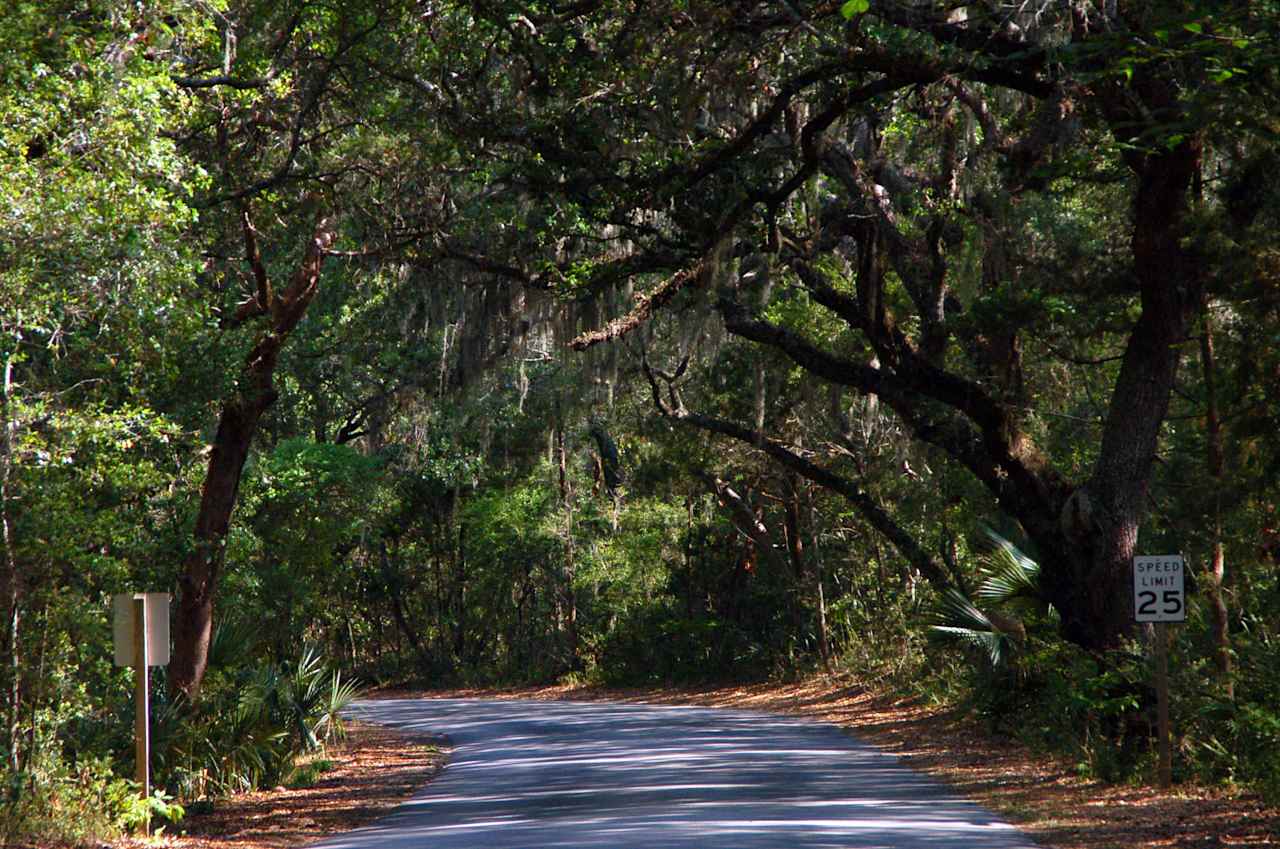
(1048, 801)
(372, 771)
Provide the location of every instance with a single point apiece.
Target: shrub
(250, 725)
(56, 803)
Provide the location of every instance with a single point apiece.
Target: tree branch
(646, 305)
(258, 303)
(986, 442)
(879, 518)
(238, 83)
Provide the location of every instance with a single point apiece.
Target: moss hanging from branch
(646, 305)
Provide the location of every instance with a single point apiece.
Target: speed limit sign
(1158, 588)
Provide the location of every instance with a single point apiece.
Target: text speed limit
(1158, 588)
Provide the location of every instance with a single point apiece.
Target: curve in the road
(594, 775)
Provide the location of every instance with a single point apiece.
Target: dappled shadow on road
(598, 775)
(1048, 799)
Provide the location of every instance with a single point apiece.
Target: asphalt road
(610, 776)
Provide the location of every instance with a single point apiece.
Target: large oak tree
(897, 165)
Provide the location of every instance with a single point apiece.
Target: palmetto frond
(1011, 575)
(1010, 579)
(960, 618)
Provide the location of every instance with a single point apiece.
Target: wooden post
(142, 704)
(1164, 768)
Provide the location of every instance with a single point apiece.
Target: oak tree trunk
(237, 424)
(1089, 579)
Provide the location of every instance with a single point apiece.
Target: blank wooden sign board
(141, 630)
(157, 627)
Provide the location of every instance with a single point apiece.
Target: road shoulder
(371, 772)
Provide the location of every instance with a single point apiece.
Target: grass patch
(308, 773)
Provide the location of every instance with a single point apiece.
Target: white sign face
(157, 627)
(1158, 594)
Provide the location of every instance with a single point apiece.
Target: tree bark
(460, 580)
(1087, 536)
(1086, 530)
(795, 549)
(566, 597)
(1089, 562)
(824, 637)
(237, 424)
(391, 581)
(11, 587)
(875, 514)
(1217, 567)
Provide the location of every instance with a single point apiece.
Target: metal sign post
(141, 631)
(1159, 597)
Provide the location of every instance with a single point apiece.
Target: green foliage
(878, 639)
(1232, 741)
(1100, 712)
(92, 193)
(854, 7)
(1066, 704)
(657, 644)
(1036, 687)
(1010, 576)
(1010, 588)
(960, 618)
(150, 811)
(305, 696)
(1255, 755)
(62, 802)
(250, 725)
(308, 773)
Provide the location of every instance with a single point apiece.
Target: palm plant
(234, 644)
(305, 697)
(340, 693)
(1010, 590)
(248, 731)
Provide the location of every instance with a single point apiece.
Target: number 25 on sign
(1158, 589)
